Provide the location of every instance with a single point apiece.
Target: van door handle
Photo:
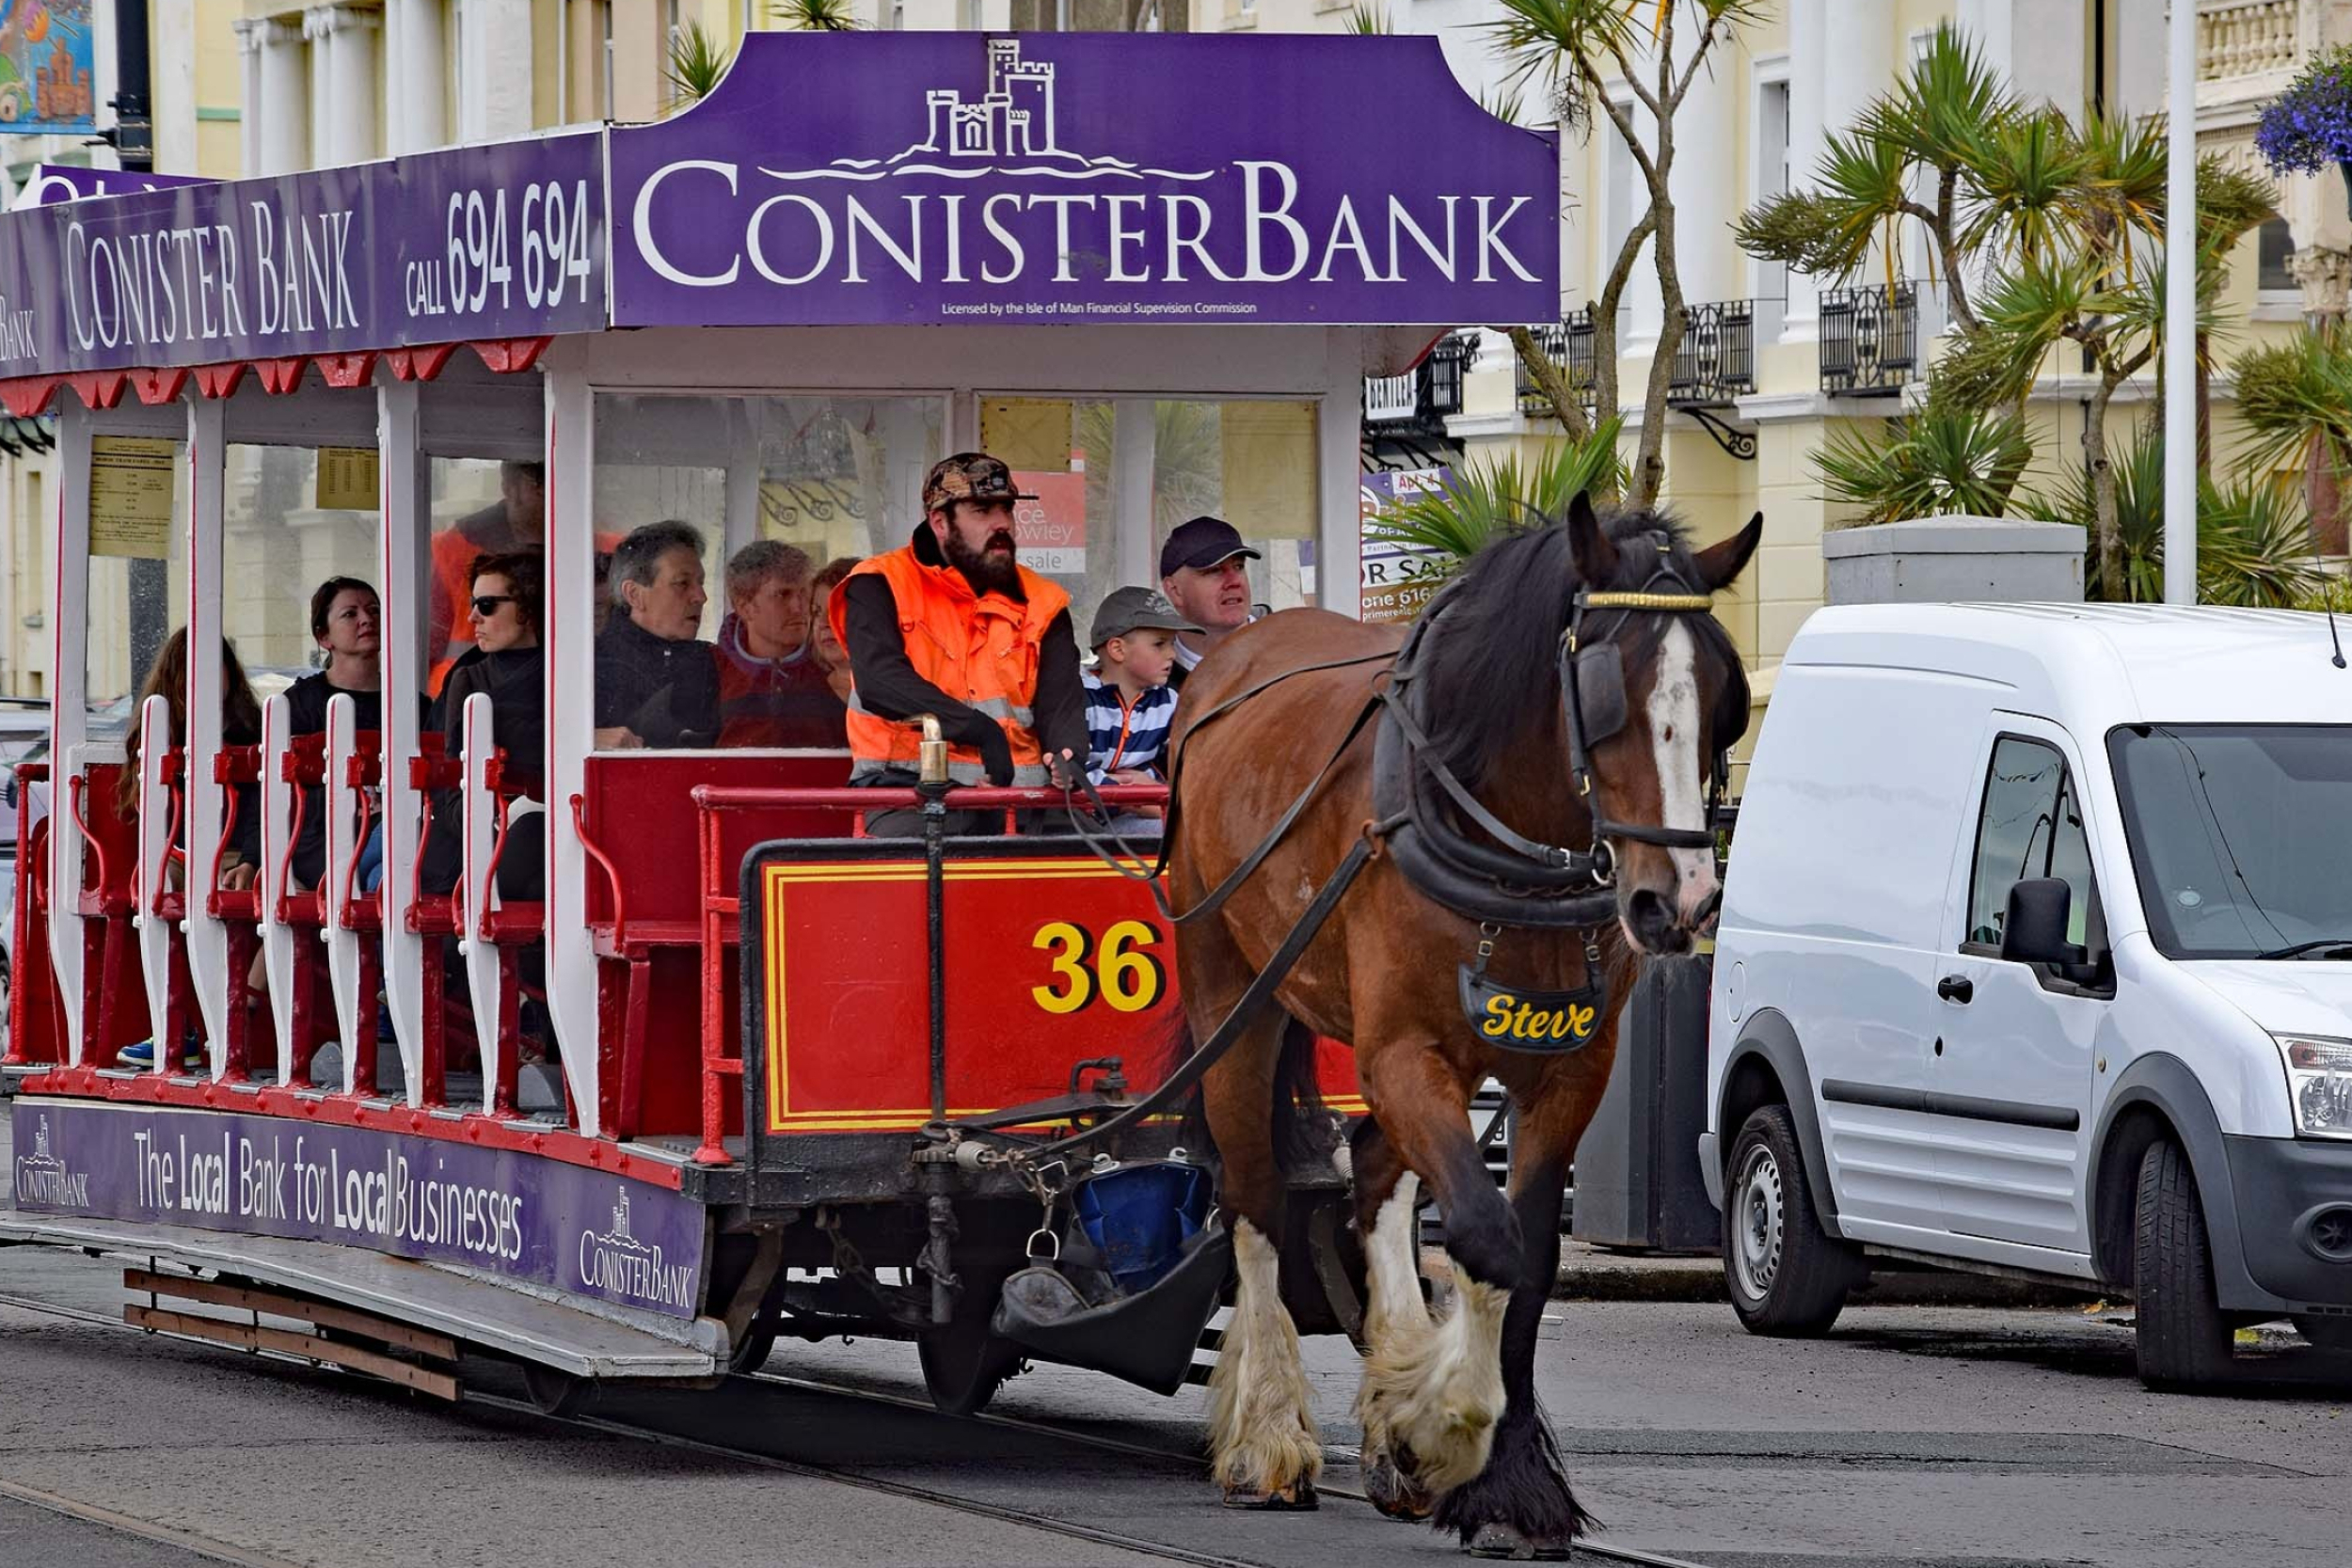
(1956, 987)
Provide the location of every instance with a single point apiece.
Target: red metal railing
(721, 904)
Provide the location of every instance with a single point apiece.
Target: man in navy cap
(1202, 573)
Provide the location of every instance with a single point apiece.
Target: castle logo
(1011, 129)
(617, 1265)
(43, 1180)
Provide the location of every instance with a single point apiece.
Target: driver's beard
(986, 574)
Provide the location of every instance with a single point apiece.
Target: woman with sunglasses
(505, 662)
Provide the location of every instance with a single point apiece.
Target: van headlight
(2319, 1085)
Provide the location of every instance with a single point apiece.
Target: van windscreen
(2236, 836)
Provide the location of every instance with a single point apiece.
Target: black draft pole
(133, 135)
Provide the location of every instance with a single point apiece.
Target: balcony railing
(1716, 361)
(2251, 38)
(1870, 340)
(1569, 343)
(1417, 404)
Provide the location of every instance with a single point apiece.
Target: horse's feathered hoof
(1397, 1495)
(1502, 1541)
(1299, 1498)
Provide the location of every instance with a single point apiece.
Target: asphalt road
(1918, 1436)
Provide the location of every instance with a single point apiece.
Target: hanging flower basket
(2311, 124)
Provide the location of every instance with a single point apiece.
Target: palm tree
(697, 61)
(1933, 130)
(1941, 461)
(2296, 398)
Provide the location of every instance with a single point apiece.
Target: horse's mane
(1492, 673)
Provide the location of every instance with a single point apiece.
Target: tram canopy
(850, 179)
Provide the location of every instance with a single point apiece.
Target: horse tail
(1297, 1106)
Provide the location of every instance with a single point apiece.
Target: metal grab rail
(716, 903)
(74, 786)
(611, 877)
(232, 767)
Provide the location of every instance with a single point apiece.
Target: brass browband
(1647, 601)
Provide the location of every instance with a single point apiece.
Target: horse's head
(1657, 696)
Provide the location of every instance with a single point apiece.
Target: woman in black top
(347, 620)
(506, 664)
(240, 725)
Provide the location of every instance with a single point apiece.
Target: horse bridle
(1592, 698)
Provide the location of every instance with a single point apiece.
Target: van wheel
(2184, 1339)
(1788, 1276)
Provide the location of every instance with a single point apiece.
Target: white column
(285, 99)
(252, 44)
(1704, 180)
(342, 84)
(416, 47)
(1808, 128)
(1860, 63)
(172, 82)
(2043, 49)
(494, 89)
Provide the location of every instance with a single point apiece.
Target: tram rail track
(845, 1476)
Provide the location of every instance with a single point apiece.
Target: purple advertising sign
(51, 183)
(501, 241)
(1084, 177)
(521, 1215)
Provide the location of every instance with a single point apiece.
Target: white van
(2036, 956)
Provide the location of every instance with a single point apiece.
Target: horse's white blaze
(1438, 1395)
(1674, 711)
(1262, 1429)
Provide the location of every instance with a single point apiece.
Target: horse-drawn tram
(526, 980)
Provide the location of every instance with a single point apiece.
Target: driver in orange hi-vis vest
(950, 624)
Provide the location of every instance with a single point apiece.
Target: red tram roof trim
(418, 364)
(508, 356)
(521, 1138)
(100, 389)
(281, 376)
(219, 381)
(159, 385)
(27, 395)
(346, 371)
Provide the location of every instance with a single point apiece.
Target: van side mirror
(2034, 929)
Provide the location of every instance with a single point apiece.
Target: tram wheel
(1788, 1276)
(2182, 1336)
(554, 1392)
(963, 1366)
(751, 1352)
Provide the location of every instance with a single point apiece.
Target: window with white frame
(1771, 166)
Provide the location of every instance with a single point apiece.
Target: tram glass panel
(1254, 464)
(481, 507)
(136, 591)
(291, 519)
(833, 476)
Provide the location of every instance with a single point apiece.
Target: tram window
(1254, 464)
(834, 476)
(137, 588)
(1064, 452)
(480, 506)
(291, 518)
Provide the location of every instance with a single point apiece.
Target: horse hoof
(1298, 1498)
(1395, 1495)
(1502, 1541)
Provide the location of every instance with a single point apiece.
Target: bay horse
(1561, 677)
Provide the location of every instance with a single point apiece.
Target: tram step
(326, 1315)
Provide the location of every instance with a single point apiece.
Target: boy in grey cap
(1129, 703)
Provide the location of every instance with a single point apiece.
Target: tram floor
(1924, 1437)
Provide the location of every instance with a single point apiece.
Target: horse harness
(1512, 882)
